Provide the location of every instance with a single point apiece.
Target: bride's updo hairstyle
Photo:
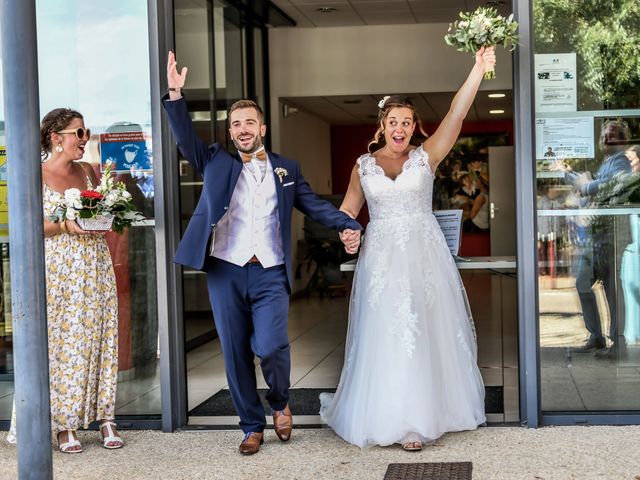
(385, 106)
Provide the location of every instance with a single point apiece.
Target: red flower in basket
(91, 194)
(90, 198)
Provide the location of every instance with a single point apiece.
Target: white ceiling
(432, 107)
(381, 12)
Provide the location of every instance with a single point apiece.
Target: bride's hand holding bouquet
(478, 31)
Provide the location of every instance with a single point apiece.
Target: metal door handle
(493, 209)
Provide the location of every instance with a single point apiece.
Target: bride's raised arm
(440, 143)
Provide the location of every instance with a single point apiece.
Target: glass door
(587, 132)
(226, 63)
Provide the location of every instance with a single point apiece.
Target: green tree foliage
(605, 34)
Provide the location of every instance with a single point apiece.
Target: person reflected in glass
(82, 303)
(410, 372)
(479, 215)
(596, 242)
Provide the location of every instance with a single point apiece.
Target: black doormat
(302, 401)
(305, 401)
(429, 471)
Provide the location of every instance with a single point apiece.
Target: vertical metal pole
(20, 64)
(525, 219)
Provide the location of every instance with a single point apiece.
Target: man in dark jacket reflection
(596, 267)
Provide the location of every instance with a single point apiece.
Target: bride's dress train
(410, 371)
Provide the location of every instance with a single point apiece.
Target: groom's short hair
(245, 103)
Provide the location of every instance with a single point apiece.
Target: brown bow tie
(260, 155)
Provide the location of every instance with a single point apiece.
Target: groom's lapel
(275, 164)
(236, 169)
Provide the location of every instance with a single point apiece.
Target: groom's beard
(255, 145)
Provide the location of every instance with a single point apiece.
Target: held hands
(351, 240)
(486, 58)
(175, 79)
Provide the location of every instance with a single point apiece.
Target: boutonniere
(281, 172)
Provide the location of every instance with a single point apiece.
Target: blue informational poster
(127, 151)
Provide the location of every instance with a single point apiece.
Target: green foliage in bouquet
(483, 27)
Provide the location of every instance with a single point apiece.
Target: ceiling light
(496, 112)
(497, 95)
(326, 9)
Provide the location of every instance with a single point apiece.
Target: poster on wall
(555, 82)
(560, 138)
(126, 150)
(4, 207)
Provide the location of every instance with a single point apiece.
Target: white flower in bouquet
(71, 214)
(111, 198)
(482, 28)
(72, 198)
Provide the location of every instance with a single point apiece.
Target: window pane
(94, 57)
(587, 68)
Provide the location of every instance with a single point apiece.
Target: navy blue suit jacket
(220, 172)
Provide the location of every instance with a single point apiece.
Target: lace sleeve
(366, 165)
(419, 157)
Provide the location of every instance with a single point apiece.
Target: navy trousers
(250, 307)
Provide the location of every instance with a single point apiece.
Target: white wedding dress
(410, 371)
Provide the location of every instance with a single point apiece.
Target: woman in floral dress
(82, 304)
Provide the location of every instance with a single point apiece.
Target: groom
(240, 235)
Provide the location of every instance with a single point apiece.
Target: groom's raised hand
(175, 80)
(351, 240)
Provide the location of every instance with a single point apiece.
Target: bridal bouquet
(107, 207)
(482, 28)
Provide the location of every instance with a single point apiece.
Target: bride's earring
(59, 148)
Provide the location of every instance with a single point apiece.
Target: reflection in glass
(588, 202)
(92, 75)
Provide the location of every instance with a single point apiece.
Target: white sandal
(111, 437)
(72, 441)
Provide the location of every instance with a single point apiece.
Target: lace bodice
(408, 195)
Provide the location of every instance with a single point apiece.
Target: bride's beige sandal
(111, 440)
(72, 441)
(412, 446)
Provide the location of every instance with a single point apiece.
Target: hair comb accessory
(383, 101)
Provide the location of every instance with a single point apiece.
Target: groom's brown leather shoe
(283, 423)
(251, 443)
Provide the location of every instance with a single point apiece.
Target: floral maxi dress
(82, 316)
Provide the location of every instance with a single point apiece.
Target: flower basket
(107, 207)
(98, 223)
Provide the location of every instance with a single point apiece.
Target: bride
(410, 371)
